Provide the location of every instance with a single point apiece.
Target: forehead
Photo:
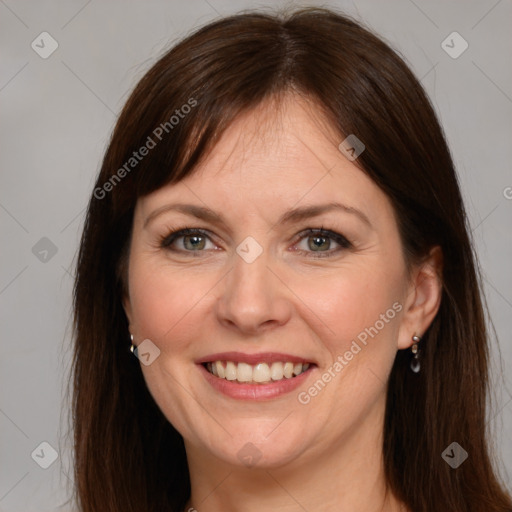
(272, 158)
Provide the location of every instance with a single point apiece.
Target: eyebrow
(293, 215)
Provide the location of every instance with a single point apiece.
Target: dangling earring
(415, 361)
(132, 348)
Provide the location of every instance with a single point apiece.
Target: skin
(323, 455)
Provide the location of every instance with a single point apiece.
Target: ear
(127, 306)
(423, 298)
(122, 276)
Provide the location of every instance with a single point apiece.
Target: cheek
(360, 305)
(163, 300)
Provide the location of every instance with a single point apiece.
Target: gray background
(56, 118)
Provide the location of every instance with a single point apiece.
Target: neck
(346, 477)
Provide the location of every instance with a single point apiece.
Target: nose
(253, 299)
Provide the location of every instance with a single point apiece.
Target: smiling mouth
(261, 373)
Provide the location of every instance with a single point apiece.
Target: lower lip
(255, 391)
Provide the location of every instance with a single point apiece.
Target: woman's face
(260, 294)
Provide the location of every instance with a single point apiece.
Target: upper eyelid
(172, 231)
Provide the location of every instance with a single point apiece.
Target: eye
(194, 240)
(318, 239)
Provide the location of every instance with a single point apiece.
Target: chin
(249, 449)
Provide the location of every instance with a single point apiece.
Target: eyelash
(166, 240)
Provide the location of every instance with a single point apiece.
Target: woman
(266, 376)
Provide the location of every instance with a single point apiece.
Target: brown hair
(128, 457)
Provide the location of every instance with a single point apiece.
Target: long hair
(128, 457)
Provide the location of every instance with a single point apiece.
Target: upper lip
(261, 357)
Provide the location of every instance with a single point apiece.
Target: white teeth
(230, 371)
(288, 370)
(220, 369)
(244, 372)
(259, 373)
(276, 371)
